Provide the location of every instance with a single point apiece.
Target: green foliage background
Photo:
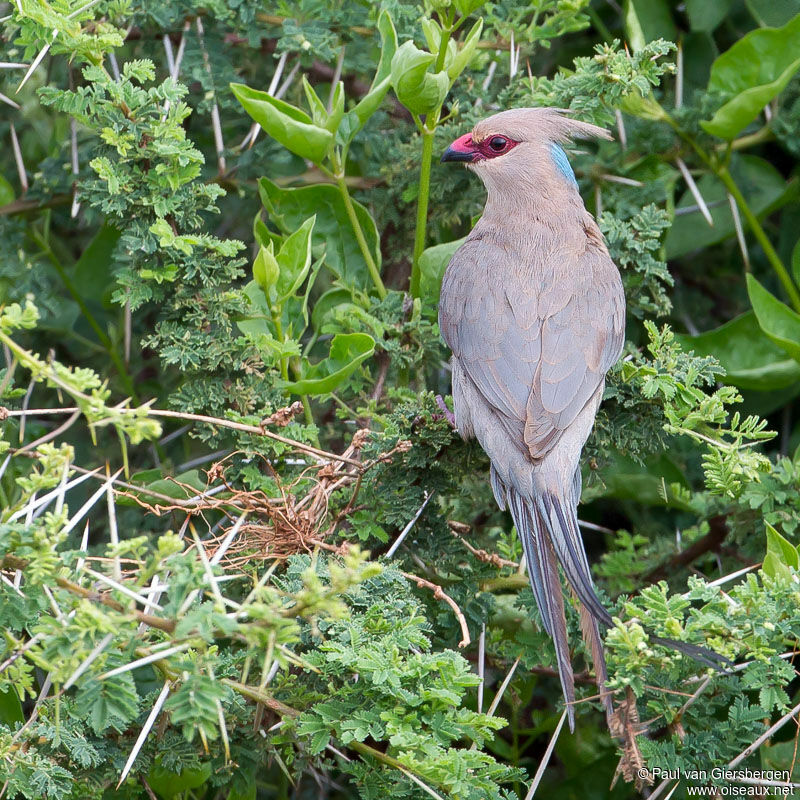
(244, 554)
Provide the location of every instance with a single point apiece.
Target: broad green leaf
(92, 272)
(337, 109)
(326, 304)
(355, 120)
(796, 262)
(432, 264)
(167, 783)
(706, 15)
(348, 350)
(466, 7)
(417, 89)
(647, 20)
(749, 74)
(776, 319)
(466, 51)
(781, 554)
(319, 114)
(762, 185)
(751, 360)
(294, 260)
(290, 126)
(773, 13)
(6, 191)
(288, 208)
(179, 487)
(10, 707)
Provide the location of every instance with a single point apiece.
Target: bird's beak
(462, 149)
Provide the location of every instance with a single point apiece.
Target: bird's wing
(536, 354)
(582, 333)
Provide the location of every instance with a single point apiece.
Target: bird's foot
(448, 414)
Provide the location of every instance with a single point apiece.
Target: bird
(533, 309)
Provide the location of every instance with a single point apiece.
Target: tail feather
(591, 635)
(561, 524)
(546, 586)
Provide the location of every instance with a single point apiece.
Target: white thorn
(699, 199)
(36, 62)
(546, 757)
(737, 224)
(23, 177)
(148, 724)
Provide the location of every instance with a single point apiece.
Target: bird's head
(522, 145)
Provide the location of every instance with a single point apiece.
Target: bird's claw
(448, 414)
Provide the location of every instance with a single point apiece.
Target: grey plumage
(533, 309)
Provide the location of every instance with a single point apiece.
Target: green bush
(244, 553)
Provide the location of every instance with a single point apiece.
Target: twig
(481, 555)
(440, 594)
(257, 430)
(764, 736)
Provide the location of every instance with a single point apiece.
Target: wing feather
(536, 353)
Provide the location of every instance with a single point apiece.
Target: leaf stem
(723, 173)
(423, 199)
(758, 231)
(360, 238)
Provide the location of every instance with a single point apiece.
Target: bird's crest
(536, 124)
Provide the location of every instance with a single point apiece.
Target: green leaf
(290, 126)
(166, 783)
(781, 554)
(647, 20)
(326, 304)
(294, 260)
(6, 191)
(10, 707)
(762, 185)
(773, 13)
(417, 89)
(796, 262)
(348, 350)
(355, 119)
(706, 15)
(749, 74)
(466, 7)
(180, 487)
(466, 52)
(289, 208)
(776, 319)
(750, 359)
(432, 264)
(93, 270)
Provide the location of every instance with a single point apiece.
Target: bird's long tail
(546, 585)
(548, 529)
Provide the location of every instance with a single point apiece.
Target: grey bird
(532, 307)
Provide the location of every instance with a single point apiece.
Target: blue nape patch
(562, 163)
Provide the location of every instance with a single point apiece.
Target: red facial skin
(466, 150)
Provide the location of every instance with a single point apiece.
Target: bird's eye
(498, 143)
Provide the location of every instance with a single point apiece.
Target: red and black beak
(462, 149)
